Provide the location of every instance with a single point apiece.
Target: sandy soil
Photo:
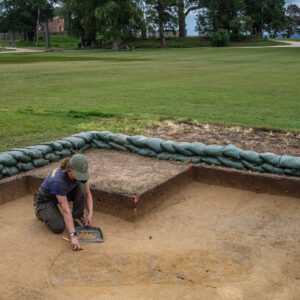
(207, 242)
(259, 140)
(123, 172)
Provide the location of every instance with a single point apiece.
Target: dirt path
(20, 50)
(292, 44)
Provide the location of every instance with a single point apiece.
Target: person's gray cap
(79, 165)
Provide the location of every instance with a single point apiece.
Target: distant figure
(67, 183)
(130, 47)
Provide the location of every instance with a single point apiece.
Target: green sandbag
(1, 167)
(7, 160)
(120, 139)
(104, 135)
(94, 134)
(43, 148)
(138, 141)
(164, 156)
(56, 146)
(40, 162)
(252, 157)
(211, 161)
(10, 171)
(101, 145)
(84, 148)
(213, 150)
(181, 148)
(65, 144)
(232, 151)
(23, 167)
(292, 172)
(20, 156)
(154, 144)
(196, 160)
(289, 162)
(252, 167)
(133, 149)
(167, 146)
(231, 163)
(75, 141)
(147, 152)
(33, 153)
(52, 157)
(63, 153)
(270, 168)
(197, 148)
(117, 146)
(179, 157)
(86, 135)
(271, 158)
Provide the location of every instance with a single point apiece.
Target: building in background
(56, 25)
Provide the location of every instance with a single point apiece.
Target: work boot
(79, 222)
(37, 214)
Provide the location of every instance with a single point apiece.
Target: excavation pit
(210, 233)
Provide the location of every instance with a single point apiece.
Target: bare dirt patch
(259, 140)
(123, 172)
(207, 242)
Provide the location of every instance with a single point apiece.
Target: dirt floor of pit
(256, 139)
(207, 242)
(123, 172)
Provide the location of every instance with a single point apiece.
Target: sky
(191, 19)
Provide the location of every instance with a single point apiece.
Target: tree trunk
(162, 35)
(13, 39)
(37, 42)
(116, 44)
(181, 19)
(69, 23)
(48, 46)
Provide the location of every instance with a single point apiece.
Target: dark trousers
(48, 211)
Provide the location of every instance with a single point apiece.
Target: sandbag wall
(24, 159)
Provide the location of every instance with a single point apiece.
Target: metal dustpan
(87, 234)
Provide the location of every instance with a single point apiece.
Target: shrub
(220, 38)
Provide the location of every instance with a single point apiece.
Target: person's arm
(89, 202)
(65, 208)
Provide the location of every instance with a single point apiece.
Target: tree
(265, 15)
(118, 19)
(184, 7)
(162, 13)
(292, 21)
(220, 14)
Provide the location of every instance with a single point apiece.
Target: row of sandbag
(197, 152)
(25, 159)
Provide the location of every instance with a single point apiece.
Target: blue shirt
(59, 183)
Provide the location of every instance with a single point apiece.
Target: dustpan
(87, 234)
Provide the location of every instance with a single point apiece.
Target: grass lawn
(45, 96)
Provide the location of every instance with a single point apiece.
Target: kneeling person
(67, 183)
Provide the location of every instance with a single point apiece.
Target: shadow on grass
(36, 58)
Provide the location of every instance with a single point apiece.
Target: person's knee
(57, 227)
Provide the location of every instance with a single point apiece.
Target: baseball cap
(79, 165)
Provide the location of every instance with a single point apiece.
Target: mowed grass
(45, 96)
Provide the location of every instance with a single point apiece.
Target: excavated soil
(123, 172)
(205, 242)
(256, 139)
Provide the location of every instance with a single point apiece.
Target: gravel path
(19, 50)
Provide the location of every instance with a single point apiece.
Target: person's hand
(74, 242)
(88, 220)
